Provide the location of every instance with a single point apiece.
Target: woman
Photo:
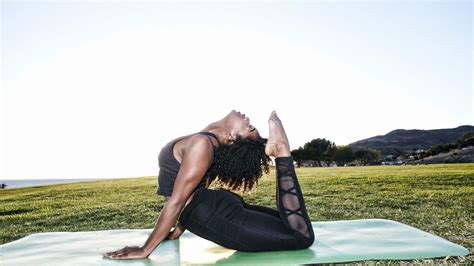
(220, 215)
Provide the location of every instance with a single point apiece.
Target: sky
(95, 89)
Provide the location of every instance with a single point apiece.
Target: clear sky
(95, 89)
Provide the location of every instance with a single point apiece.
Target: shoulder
(198, 152)
(199, 143)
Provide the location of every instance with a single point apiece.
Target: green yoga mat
(339, 241)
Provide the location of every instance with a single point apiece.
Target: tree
(299, 155)
(319, 150)
(330, 153)
(316, 150)
(343, 155)
(467, 139)
(368, 156)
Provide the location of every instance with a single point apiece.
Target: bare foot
(277, 144)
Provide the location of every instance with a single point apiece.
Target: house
(391, 160)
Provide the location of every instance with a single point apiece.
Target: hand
(127, 253)
(176, 233)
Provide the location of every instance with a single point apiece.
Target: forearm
(165, 221)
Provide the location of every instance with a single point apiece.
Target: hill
(402, 140)
(464, 155)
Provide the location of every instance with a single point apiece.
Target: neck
(220, 129)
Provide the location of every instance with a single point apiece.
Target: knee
(306, 242)
(182, 221)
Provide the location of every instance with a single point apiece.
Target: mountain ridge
(401, 141)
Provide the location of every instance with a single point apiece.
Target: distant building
(391, 160)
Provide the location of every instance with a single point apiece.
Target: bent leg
(290, 201)
(220, 216)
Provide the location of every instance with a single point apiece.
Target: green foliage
(316, 150)
(323, 150)
(368, 156)
(300, 155)
(465, 140)
(435, 198)
(343, 155)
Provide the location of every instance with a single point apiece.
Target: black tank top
(169, 167)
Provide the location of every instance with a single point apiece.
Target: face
(242, 129)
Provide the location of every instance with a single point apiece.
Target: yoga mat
(339, 241)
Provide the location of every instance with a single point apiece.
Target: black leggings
(223, 217)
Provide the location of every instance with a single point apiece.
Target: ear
(231, 138)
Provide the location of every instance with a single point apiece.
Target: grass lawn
(435, 198)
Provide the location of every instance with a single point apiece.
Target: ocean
(15, 183)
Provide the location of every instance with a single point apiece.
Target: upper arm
(194, 165)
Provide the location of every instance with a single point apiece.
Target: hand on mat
(176, 233)
(127, 253)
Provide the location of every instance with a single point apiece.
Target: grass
(435, 198)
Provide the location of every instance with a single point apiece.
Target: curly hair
(238, 166)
